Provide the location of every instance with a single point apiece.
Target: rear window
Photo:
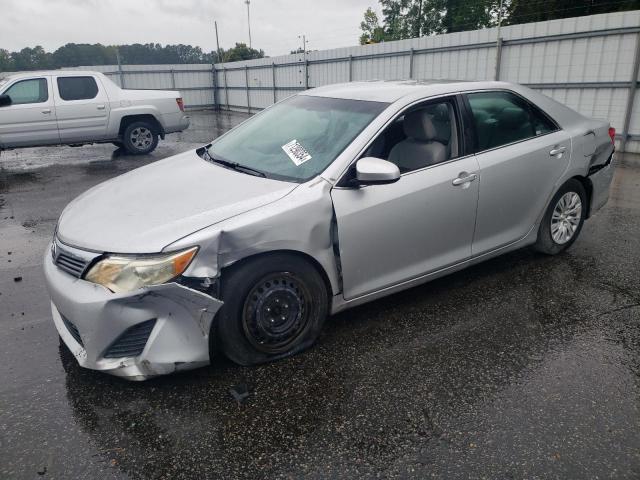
(502, 118)
(77, 88)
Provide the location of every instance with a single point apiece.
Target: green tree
(242, 52)
(6, 63)
(520, 11)
(31, 59)
(372, 31)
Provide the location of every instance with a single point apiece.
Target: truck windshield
(298, 138)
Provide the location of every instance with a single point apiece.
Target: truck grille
(67, 261)
(132, 342)
(73, 330)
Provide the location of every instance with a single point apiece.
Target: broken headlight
(120, 273)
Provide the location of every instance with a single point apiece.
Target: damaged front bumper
(136, 335)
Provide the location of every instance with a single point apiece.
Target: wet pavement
(524, 366)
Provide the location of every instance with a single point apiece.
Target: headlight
(123, 273)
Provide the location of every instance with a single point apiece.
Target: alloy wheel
(566, 218)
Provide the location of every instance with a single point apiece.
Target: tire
(140, 138)
(558, 232)
(274, 307)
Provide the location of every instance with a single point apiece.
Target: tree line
(78, 54)
(414, 18)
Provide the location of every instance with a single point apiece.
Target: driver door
(424, 222)
(30, 119)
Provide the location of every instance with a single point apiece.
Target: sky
(275, 24)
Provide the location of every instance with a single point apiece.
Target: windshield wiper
(232, 165)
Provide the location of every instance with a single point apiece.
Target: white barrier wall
(588, 63)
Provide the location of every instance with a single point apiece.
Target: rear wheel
(274, 307)
(140, 138)
(563, 219)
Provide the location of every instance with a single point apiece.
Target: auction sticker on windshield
(296, 152)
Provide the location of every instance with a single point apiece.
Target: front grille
(73, 330)
(132, 342)
(68, 262)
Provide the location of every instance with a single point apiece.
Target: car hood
(148, 208)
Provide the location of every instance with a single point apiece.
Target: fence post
(350, 68)
(631, 97)
(173, 79)
(411, 53)
(226, 90)
(273, 81)
(214, 83)
(498, 58)
(246, 82)
(120, 74)
(306, 74)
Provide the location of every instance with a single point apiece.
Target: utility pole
(499, 22)
(304, 45)
(420, 19)
(306, 63)
(218, 43)
(248, 21)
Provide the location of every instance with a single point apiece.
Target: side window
(424, 135)
(77, 88)
(28, 91)
(502, 118)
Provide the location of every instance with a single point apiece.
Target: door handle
(463, 178)
(557, 151)
(100, 107)
(46, 111)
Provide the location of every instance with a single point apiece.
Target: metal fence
(588, 63)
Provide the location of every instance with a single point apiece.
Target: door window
(424, 135)
(502, 118)
(77, 88)
(33, 90)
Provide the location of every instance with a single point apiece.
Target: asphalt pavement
(524, 366)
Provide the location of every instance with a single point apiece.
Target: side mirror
(375, 171)
(5, 100)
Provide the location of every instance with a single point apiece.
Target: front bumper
(179, 339)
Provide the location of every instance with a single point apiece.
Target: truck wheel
(563, 219)
(140, 138)
(274, 307)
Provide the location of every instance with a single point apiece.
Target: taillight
(180, 104)
(612, 134)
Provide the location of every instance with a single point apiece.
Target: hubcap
(141, 138)
(566, 218)
(276, 312)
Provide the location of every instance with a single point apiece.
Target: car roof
(391, 91)
(36, 73)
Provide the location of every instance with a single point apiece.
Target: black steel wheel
(274, 306)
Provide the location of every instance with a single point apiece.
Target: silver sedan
(329, 199)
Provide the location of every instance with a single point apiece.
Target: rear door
(521, 154)
(30, 120)
(82, 108)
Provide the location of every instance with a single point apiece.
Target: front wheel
(274, 307)
(140, 138)
(563, 219)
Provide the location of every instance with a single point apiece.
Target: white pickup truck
(80, 107)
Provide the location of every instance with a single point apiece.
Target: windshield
(298, 138)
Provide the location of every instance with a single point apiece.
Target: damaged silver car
(329, 199)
